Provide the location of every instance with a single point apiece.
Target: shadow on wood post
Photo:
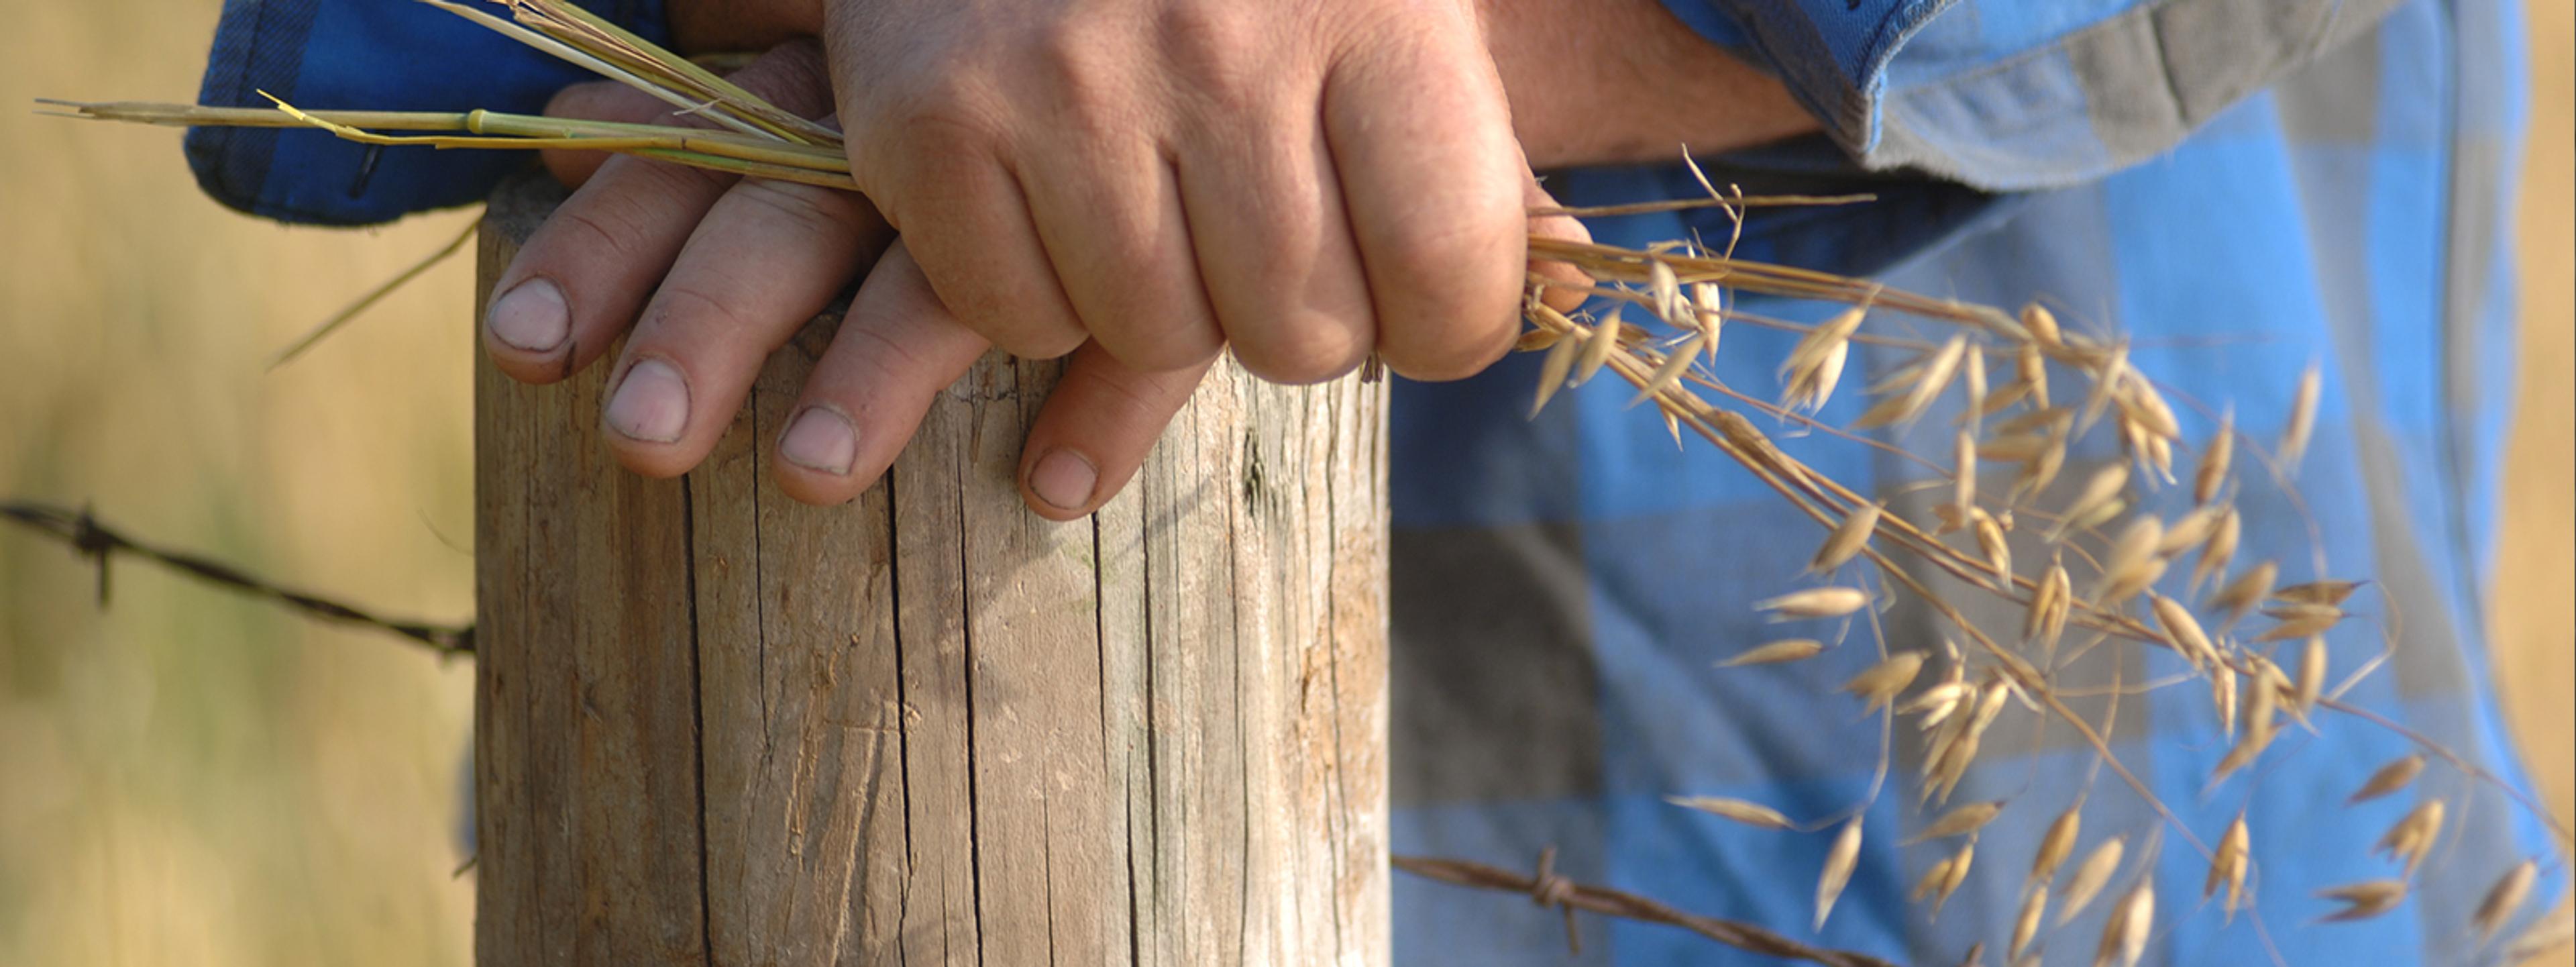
(928, 727)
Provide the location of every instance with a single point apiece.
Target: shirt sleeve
(375, 55)
(2017, 95)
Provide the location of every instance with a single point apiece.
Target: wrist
(1625, 81)
(740, 26)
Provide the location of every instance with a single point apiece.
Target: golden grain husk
(2090, 876)
(1880, 683)
(1959, 821)
(2124, 937)
(1784, 650)
(1837, 871)
(1826, 602)
(2303, 419)
(2389, 778)
(2504, 898)
(2364, 900)
(2215, 460)
(1847, 539)
(1748, 813)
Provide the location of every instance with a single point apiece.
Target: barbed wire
(84, 534)
(1547, 889)
(101, 544)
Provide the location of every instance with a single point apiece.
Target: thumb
(1096, 429)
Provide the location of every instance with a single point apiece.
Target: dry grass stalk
(2303, 419)
(2124, 937)
(2234, 860)
(2034, 904)
(2240, 596)
(1880, 683)
(2413, 836)
(2364, 900)
(1787, 649)
(1944, 878)
(2055, 846)
(2090, 877)
(2389, 778)
(1837, 871)
(2504, 898)
(1847, 539)
(2324, 593)
(2216, 460)
(2311, 682)
(1748, 813)
(1959, 822)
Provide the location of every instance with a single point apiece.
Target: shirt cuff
(373, 55)
(2019, 95)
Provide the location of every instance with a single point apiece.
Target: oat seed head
(2389, 778)
(1784, 650)
(2090, 876)
(1748, 813)
(1837, 871)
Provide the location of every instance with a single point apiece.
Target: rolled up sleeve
(392, 55)
(2017, 95)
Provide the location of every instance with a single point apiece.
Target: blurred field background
(190, 779)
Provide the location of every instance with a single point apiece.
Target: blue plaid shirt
(2243, 186)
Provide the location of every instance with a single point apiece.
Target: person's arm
(375, 55)
(2021, 95)
(1590, 81)
(1139, 184)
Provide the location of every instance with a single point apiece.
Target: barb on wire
(101, 544)
(1548, 889)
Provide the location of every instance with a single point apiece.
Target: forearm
(1590, 81)
(1621, 81)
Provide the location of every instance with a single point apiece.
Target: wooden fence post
(714, 726)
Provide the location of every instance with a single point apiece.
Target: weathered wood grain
(927, 727)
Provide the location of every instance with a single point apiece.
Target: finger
(581, 277)
(1111, 223)
(1096, 429)
(930, 155)
(596, 101)
(974, 240)
(767, 258)
(1432, 182)
(1566, 227)
(897, 350)
(1266, 220)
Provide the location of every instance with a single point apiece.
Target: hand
(740, 267)
(733, 268)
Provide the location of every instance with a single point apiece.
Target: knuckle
(1301, 347)
(817, 212)
(1447, 259)
(609, 227)
(943, 118)
(693, 311)
(1218, 48)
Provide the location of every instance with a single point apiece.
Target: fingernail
(652, 403)
(531, 317)
(1064, 478)
(820, 439)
